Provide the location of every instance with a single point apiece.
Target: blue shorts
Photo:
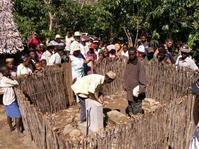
(12, 110)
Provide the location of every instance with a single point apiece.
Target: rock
(69, 119)
(117, 117)
(67, 129)
(75, 133)
(77, 117)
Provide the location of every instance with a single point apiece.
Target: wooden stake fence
(51, 90)
(169, 126)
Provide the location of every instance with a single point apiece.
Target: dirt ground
(11, 140)
(64, 122)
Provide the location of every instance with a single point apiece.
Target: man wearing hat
(77, 36)
(184, 60)
(141, 52)
(134, 83)
(89, 87)
(58, 43)
(47, 54)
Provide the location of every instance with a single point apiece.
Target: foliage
(165, 18)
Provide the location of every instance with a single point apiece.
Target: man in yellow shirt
(90, 86)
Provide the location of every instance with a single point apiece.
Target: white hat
(77, 34)
(185, 49)
(111, 75)
(75, 46)
(141, 49)
(111, 47)
(9, 60)
(57, 36)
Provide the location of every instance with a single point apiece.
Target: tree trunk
(137, 32)
(130, 41)
(50, 19)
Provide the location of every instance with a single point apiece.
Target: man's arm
(96, 97)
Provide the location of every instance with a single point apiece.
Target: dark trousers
(82, 109)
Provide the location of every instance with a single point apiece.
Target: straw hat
(58, 36)
(9, 60)
(185, 49)
(111, 47)
(141, 49)
(75, 46)
(77, 34)
(111, 75)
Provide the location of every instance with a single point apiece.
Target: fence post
(68, 80)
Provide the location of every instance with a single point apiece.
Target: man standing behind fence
(134, 83)
(90, 87)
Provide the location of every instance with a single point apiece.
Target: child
(9, 100)
(38, 68)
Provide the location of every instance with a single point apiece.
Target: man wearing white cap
(141, 52)
(184, 60)
(89, 87)
(134, 83)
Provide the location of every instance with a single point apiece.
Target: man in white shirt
(47, 54)
(58, 42)
(55, 58)
(90, 87)
(23, 69)
(184, 60)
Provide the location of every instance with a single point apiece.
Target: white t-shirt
(88, 84)
(55, 59)
(84, 49)
(187, 63)
(77, 65)
(23, 70)
(68, 42)
(8, 92)
(46, 56)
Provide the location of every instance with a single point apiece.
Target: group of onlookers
(84, 52)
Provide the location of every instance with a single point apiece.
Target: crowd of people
(84, 52)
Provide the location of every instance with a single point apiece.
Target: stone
(94, 115)
(67, 129)
(117, 117)
(83, 128)
(69, 119)
(75, 133)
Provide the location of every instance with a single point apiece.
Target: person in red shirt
(33, 41)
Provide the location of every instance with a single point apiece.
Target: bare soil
(11, 140)
(64, 122)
